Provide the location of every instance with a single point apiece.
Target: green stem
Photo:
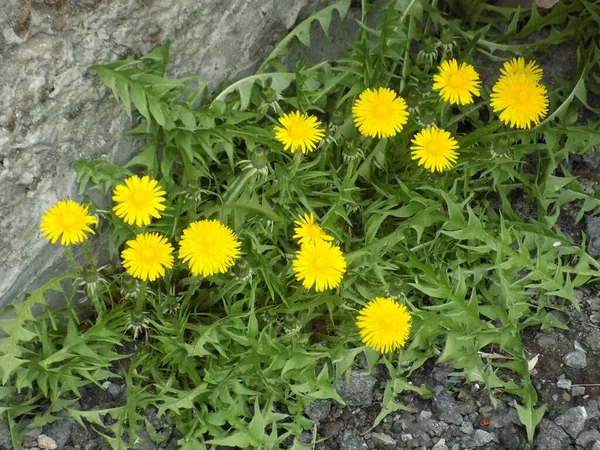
(191, 290)
(88, 255)
(140, 299)
(72, 263)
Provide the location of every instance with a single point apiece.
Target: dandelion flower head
(68, 220)
(309, 231)
(209, 247)
(138, 200)
(457, 84)
(435, 149)
(520, 100)
(147, 256)
(299, 132)
(517, 66)
(384, 324)
(319, 264)
(379, 113)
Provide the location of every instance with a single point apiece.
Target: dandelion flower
(299, 132)
(321, 264)
(209, 247)
(457, 84)
(379, 113)
(517, 66)
(519, 100)
(147, 256)
(309, 231)
(435, 149)
(68, 220)
(384, 324)
(138, 200)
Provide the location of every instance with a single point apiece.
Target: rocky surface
(53, 111)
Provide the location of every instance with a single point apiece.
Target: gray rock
(509, 438)
(592, 410)
(114, 390)
(424, 416)
(572, 421)
(406, 437)
(60, 430)
(32, 435)
(46, 442)
(5, 441)
(587, 437)
(576, 360)
(481, 438)
(358, 390)
(592, 228)
(564, 383)
(596, 446)
(593, 339)
(143, 441)
(467, 427)
(352, 441)
(318, 410)
(435, 427)
(551, 436)
(383, 439)
(447, 407)
(546, 341)
(577, 391)
(440, 445)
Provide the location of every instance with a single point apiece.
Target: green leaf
(530, 417)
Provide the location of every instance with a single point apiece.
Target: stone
(440, 445)
(551, 436)
(596, 446)
(32, 435)
(114, 390)
(435, 427)
(481, 438)
(592, 228)
(46, 442)
(60, 430)
(577, 391)
(447, 407)
(564, 383)
(358, 390)
(576, 360)
(572, 421)
(592, 410)
(593, 339)
(352, 441)
(383, 439)
(585, 438)
(509, 438)
(318, 410)
(5, 441)
(143, 441)
(424, 416)
(55, 111)
(467, 427)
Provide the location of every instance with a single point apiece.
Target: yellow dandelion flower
(68, 220)
(309, 231)
(208, 247)
(519, 100)
(457, 84)
(321, 264)
(435, 149)
(147, 256)
(517, 66)
(299, 132)
(379, 113)
(384, 324)
(138, 200)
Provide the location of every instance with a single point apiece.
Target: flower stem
(72, 263)
(88, 255)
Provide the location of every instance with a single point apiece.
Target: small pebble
(576, 360)
(114, 390)
(467, 427)
(566, 397)
(564, 383)
(405, 437)
(424, 416)
(577, 391)
(578, 346)
(383, 439)
(596, 446)
(440, 445)
(46, 442)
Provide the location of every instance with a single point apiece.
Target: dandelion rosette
(299, 132)
(379, 113)
(457, 84)
(309, 231)
(319, 264)
(517, 66)
(147, 256)
(519, 100)
(435, 149)
(138, 200)
(384, 324)
(209, 247)
(67, 220)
